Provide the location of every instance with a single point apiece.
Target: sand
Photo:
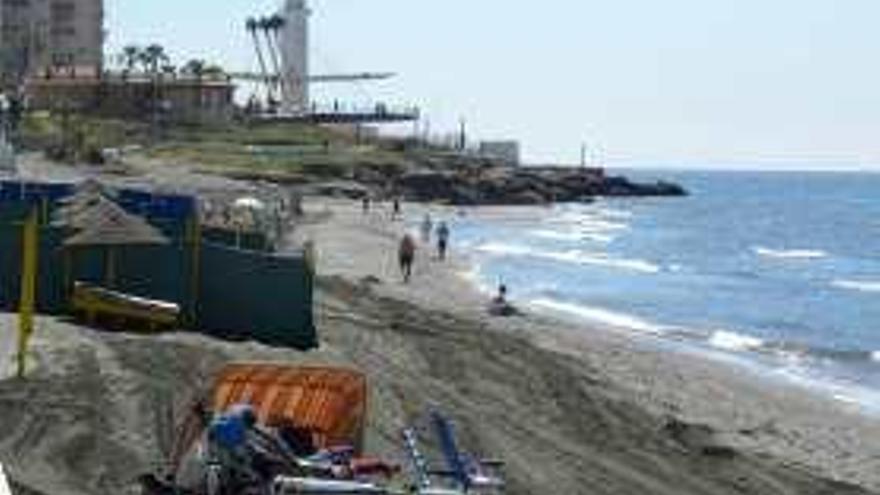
(570, 409)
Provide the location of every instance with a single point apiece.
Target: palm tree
(195, 67)
(214, 70)
(169, 69)
(154, 57)
(271, 26)
(253, 26)
(131, 55)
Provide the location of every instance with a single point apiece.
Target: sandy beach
(570, 409)
(744, 408)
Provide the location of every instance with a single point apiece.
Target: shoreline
(794, 424)
(568, 408)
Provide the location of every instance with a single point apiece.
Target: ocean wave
(731, 341)
(598, 315)
(570, 236)
(574, 257)
(611, 213)
(857, 285)
(802, 254)
(556, 235)
(588, 223)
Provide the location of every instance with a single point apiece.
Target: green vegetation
(273, 150)
(70, 137)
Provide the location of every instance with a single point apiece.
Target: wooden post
(310, 256)
(27, 306)
(195, 273)
(110, 267)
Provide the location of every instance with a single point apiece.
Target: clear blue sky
(655, 82)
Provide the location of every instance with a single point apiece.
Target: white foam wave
(599, 225)
(574, 256)
(556, 235)
(572, 236)
(598, 315)
(730, 341)
(505, 249)
(610, 213)
(802, 254)
(588, 223)
(857, 285)
(875, 356)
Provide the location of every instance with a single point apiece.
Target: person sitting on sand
(500, 306)
(407, 255)
(442, 240)
(365, 202)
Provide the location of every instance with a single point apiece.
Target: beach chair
(471, 474)
(467, 476)
(314, 486)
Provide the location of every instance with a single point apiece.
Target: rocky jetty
(523, 186)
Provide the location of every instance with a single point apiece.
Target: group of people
(407, 248)
(440, 233)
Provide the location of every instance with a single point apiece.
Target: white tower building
(294, 45)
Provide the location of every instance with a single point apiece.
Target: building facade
(505, 151)
(171, 99)
(294, 45)
(50, 36)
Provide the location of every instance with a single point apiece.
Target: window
(63, 12)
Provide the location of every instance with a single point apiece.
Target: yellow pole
(30, 247)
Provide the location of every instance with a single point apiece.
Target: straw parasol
(86, 211)
(111, 226)
(108, 226)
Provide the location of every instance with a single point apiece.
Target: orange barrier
(330, 403)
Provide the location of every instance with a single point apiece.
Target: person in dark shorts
(442, 240)
(407, 256)
(395, 212)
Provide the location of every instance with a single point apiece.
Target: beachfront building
(507, 152)
(50, 36)
(294, 47)
(170, 98)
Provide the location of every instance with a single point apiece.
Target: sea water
(781, 269)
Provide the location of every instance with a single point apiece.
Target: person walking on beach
(395, 211)
(365, 204)
(442, 240)
(407, 256)
(427, 228)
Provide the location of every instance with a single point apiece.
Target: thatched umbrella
(89, 188)
(86, 211)
(110, 227)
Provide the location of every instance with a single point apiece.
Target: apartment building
(50, 36)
